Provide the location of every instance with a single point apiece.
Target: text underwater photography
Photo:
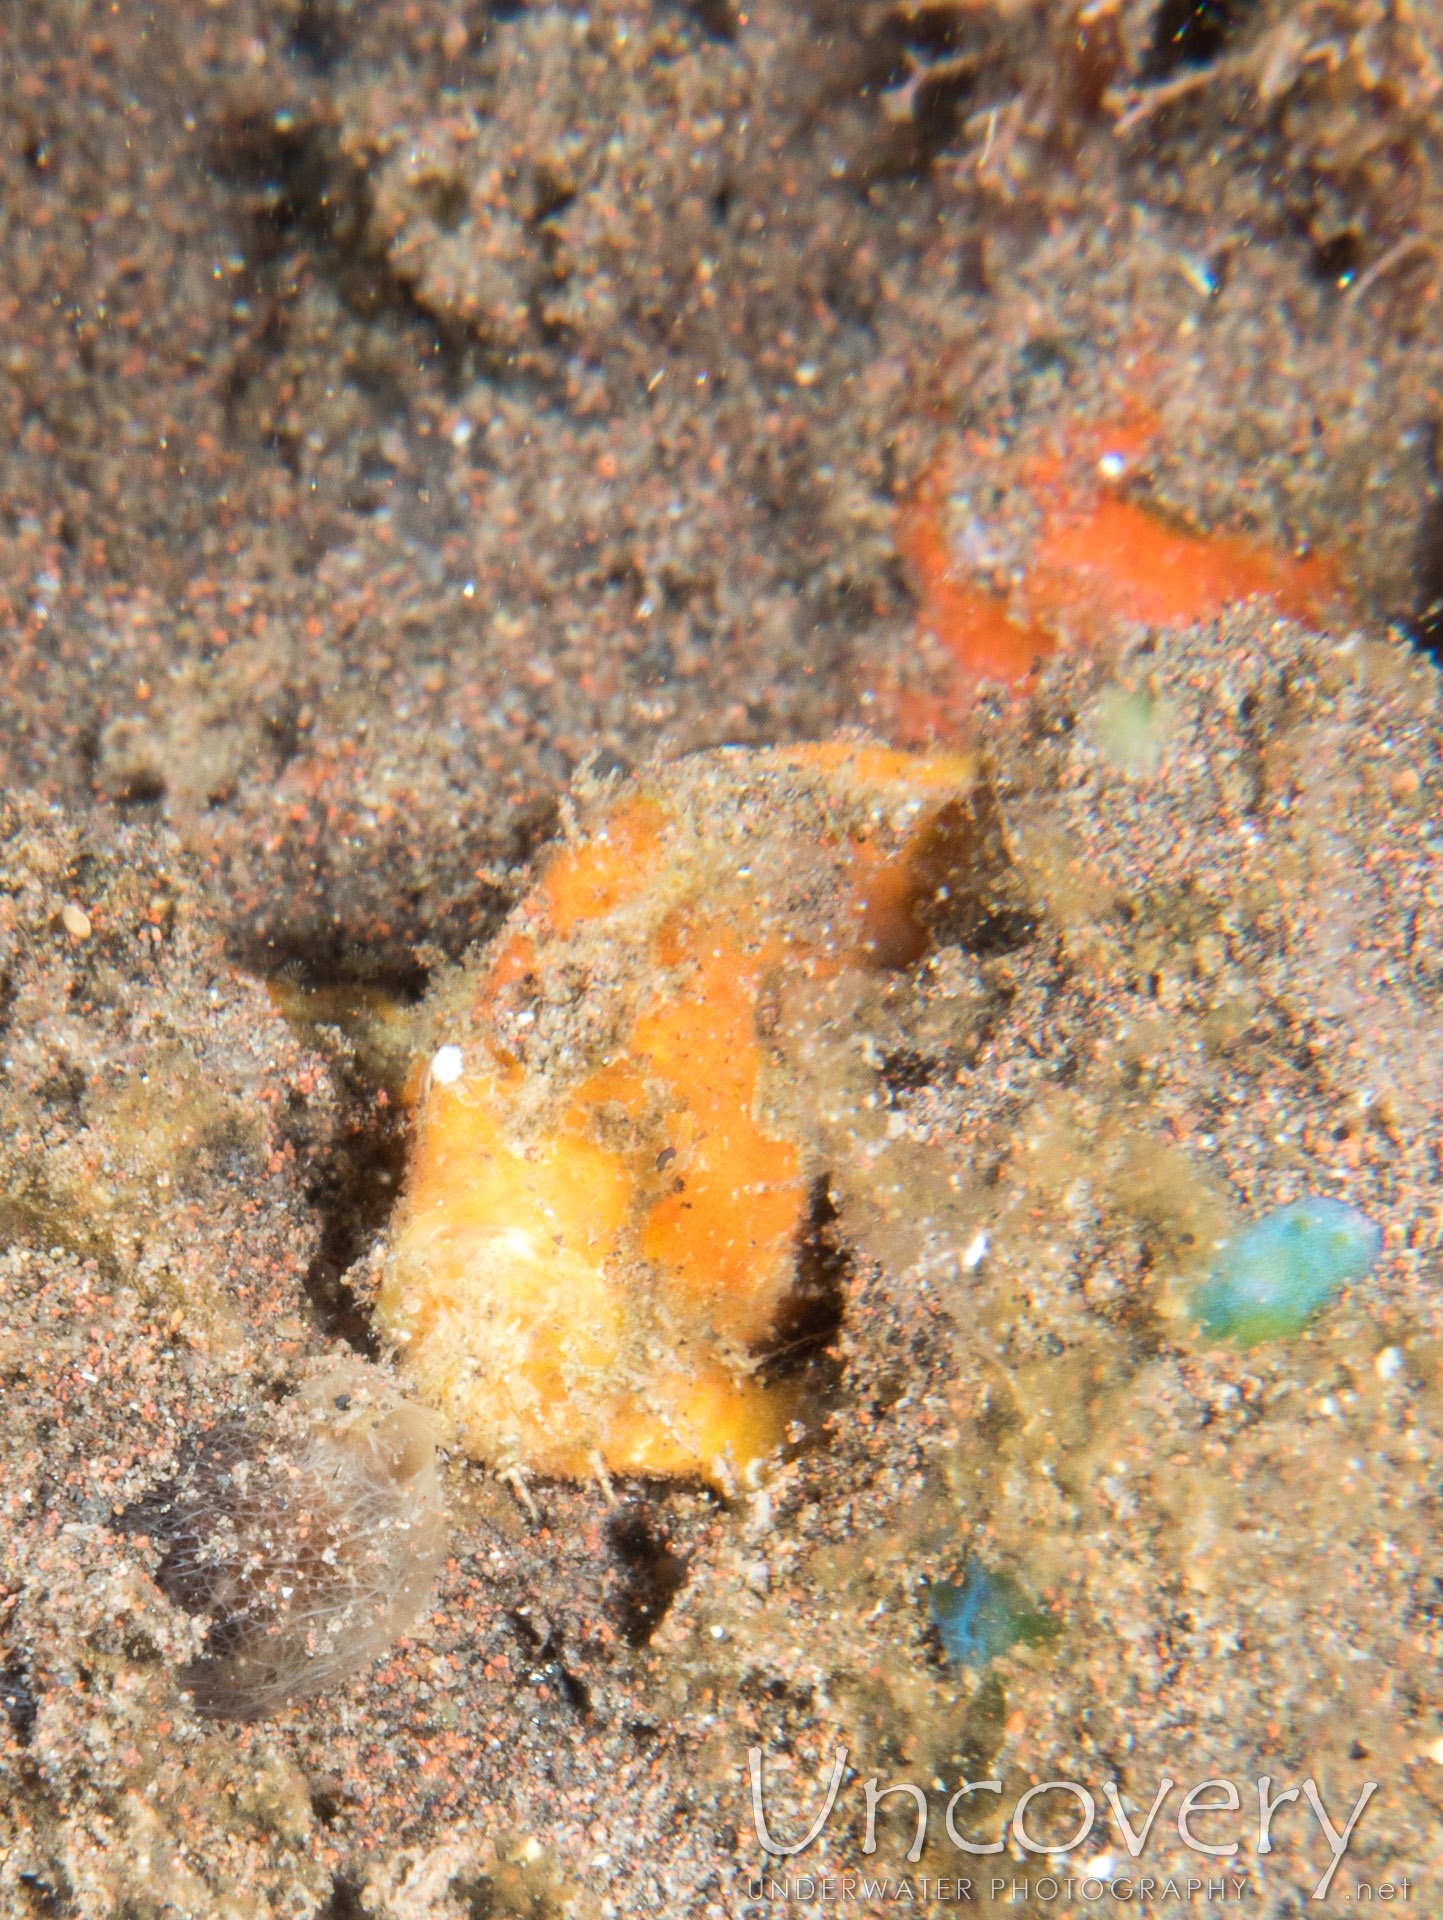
(1219, 1875)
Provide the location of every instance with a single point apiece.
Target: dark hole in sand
(293, 182)
(937, 113)
(335, 983)
(319, 36)
(1192, 33)
(811, 1314)
(328, 1797)
(450, 202)
(43, 1900)
(546, 1660)
(578, 1694)
(607, 764)
(476, 1896)
(345, 1902)
(17, 1698)
(357, 1183)
(961, 889)
(715, 17)
(905, 1070)
(654, 1574)
(1337, 258)
(65, 1086)
(141, 788)
(1426, 621)
(938, 31)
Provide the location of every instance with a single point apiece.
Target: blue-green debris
(1271, 1280)
(983, 1614)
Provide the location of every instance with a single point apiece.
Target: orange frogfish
(614, 1160)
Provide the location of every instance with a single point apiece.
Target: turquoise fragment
(1272, 1279)
(983, 1614)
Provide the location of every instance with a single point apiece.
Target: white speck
(1112, 466)
(462, 432)
(468, 592)
(976, 1251)
(1435, 1753)
(1198, 274)
(1102, 1866)
(286, 1592)
(1389, 1363)
(718, 1633)
(807, 374)
(446, 1065)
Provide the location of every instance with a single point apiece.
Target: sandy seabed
(408, 410)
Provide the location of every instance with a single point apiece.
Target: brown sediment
(1032, 1134)
(405, 408)
(344, 563)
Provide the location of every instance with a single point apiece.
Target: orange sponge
(1082, 558)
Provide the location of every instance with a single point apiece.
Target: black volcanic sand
(406, 408)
